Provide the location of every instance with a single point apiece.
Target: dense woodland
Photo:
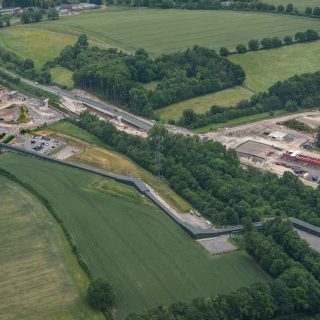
(294, 290)
(298, 92)
(211, 177)
(119, 77)
(43, 4)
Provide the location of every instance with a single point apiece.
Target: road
(109, 110)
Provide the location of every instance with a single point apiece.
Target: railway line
(109, 110)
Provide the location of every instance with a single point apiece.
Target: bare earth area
(313, 241)
(262, 144)
(218, 245)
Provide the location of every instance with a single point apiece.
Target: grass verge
(99, 155)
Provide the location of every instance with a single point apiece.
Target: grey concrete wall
(194, 232)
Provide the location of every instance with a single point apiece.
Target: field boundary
(194, 232)
(50, 209)
(140, 186)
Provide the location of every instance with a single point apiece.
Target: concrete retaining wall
(305, 226)
(194, 232)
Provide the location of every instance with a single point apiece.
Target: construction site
(18, 112)
(271, 146)
(116, 119)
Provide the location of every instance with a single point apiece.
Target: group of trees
(296, 248)
(294, 290)
(52, 14)
(274, 42)
(301, 91)
(5, 20)
(19, 3)
(119, 77)
(100, 295)
(211, 177)
(24, 67)
(31, 16)
(42, 4)
(221, 5)
(266, 7)
(298, 125)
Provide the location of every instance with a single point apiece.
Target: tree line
(34, 15)
(24, 67)
(296, 248)
(43, 4)
(266, 7)
(298, 92)
(30, 15)
(211, 177)
(293, 292)
(274, 42)
(5, 20)
(100, 294)
(255, 6)
(119, 77)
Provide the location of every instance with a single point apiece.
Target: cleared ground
(239, 121)
(264, 68)
(38, 268)
(228, 97)
(300, 4)
(156, 30)
(148, 259)
(98, 155)
(313, 241)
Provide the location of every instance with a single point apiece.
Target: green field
(34, 42)
(62, 76)
(97, 154)
(123, 238)
(156, 30)
(228, 97)
(40, 277)
(263, 68)
(300, 4)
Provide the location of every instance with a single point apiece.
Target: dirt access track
(234, 136)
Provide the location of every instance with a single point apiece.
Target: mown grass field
(148, 259)
(264, 68)
(62, 76)
(97, 154)
(40, 277)
(34, 42)
(228, 97)
(300, 4)
(156, 30)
